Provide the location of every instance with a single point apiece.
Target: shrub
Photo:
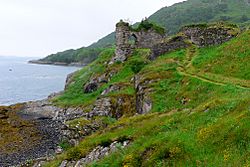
(146, 25)
(74, 154)
(137, 65)
(106, 143)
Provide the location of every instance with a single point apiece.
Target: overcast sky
(37, 28)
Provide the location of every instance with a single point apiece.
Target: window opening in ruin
(133, 40)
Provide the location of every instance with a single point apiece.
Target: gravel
(49, 133)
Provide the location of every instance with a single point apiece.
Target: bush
(106, 143)
(146, 25)
(74, 154)
(137, 65)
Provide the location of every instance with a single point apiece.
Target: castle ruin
(128, 39)
(151, 36)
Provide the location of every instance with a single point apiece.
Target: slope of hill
(199, 11)
(172, 18)
(77, 57)
(199, 114)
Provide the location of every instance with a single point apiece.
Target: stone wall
(142, 39)
(147, 39)
(206, 36)
(200, 35)
(168, 46)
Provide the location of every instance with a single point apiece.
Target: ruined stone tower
(128, 39)
(123, 47)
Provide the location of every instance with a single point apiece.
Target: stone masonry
(125, 36)
(123, 47)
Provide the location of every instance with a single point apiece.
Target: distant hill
(172, 18)
(76, 57)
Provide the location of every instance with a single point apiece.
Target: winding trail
(187, 69)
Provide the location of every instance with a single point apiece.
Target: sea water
(21, 81)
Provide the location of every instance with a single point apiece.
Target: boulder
(102, 107)
(90, 87)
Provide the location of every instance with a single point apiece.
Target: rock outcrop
(46, 109)
(111, 88)
(102, 107)
(143, 100)
(91, 87)
(97, 81)
(96, 154)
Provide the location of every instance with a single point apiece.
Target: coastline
(75, 64)
(21, 82)
(25, 136)
(38, 127)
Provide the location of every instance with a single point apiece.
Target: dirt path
(187, 69)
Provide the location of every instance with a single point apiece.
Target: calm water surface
(20, 81)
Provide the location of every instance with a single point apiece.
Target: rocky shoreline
(48, 126)
(26, 137)
(32, 131)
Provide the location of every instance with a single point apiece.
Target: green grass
(74, 95)
(230, 59)
(194, 121)
(123, 73)
(217, 137)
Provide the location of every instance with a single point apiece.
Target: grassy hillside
(198, 11)
(231, 60)
(172, 18)
(200, 114)
(82, 55)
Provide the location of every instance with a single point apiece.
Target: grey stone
(74, 142)
(45, 109)
(78, 164)
(102, 107)
(59, 150)
(63, 164)
(143, 101)
(96, 82)
(100, 152)
(39, 164)
(143, 39)
(71, 164)
(111, 88)
(168, 46)
(207, 36)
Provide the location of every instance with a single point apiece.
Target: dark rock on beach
(26, 137)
